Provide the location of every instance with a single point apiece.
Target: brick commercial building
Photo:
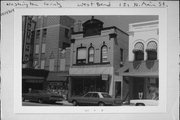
(97, 54)
(50, 49)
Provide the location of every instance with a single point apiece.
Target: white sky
(122, 22)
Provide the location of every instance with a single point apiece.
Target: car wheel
(75, 103)
(40, 101)
(101, 104)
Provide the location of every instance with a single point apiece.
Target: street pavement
(58, 103)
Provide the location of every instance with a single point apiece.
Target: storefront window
(81, 55)
(91, 55)
(83, 85)
(104, 54)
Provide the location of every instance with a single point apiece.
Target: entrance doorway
(138, 86)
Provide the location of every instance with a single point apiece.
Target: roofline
(106, 28)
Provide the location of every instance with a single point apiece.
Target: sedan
(42, 96)
(95, 98)
(144, 102)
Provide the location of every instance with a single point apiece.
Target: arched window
(151, 50)
(81, 55)
(104, 54)
(91, 55)
(138, 51)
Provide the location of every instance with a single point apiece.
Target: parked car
(144, 102)
(95, 98)
(141, 102)
(42, 96)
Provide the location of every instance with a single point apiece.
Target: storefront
(32, 82)
(33, 79)
(83, 80)
(137, 82)
(57, 82)
(83, 84)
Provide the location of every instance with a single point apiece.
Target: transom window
(104, 54)
(81, 55)
(91, 55)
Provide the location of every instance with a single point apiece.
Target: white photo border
(161, 12)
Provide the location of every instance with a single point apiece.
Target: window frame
(103, 55)
(89, 55)
(152, 53)
(138, 54)
(42, 65)
(82, 61)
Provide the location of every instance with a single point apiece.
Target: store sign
(27, 39)
(105, 76)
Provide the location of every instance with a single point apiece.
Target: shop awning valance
(138, 47)
(32, 77)
(140, 74)
(91, 71)
(54, 76)
(152, 46)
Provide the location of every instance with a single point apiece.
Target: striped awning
(151, 46)
(138, 47)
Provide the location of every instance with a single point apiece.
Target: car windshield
(106, 95)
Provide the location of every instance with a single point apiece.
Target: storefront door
(138, 86)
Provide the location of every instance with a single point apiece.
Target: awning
(32, 77)
(84, 75)
(55, 76)
(140, 74)
(138, 47)
(91, 71)
(152, 46)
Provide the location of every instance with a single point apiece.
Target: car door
(94, 99)
(85, 100)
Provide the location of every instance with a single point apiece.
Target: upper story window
(42, 64)
(43, 49)
(138, 51)
(36, 49)
(104, 54)
(66, 33)
(44, 33)
(81, 55)
(151, 50)
(91, 55)
(37, 34)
